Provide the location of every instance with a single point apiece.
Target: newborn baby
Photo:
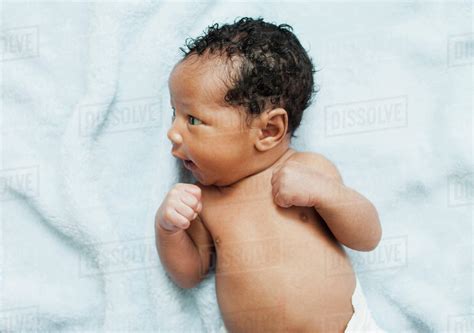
(269, 219)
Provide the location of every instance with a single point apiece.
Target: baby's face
(206, 131)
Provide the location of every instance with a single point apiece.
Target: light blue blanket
(85, 161)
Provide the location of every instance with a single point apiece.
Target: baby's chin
(211, 182)
(205, 181)
(197, 177)
(189, 177)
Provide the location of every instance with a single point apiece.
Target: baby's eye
(173, 117)
(192, 120)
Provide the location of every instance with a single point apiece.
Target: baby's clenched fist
(181, 205)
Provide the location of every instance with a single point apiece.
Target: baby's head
(238, 96)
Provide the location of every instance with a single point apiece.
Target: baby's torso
(278, 269)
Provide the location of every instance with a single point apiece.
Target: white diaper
(361, 321)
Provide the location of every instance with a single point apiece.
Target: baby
(271, 219)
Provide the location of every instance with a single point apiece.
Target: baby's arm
(309, 179)
(183, 243)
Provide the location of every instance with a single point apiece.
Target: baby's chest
(256, 220)
(236, 220)
(249, 237)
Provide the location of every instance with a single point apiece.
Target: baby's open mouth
(189, 164)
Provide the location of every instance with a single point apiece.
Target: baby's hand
(294, 184)
(181, 206)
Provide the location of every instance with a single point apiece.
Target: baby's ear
(272, 129)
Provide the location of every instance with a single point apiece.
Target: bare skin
(279, 267)
(273, 270)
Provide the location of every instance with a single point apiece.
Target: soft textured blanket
(85, 161)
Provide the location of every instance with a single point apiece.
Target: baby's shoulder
(317, 162)
(308, 156)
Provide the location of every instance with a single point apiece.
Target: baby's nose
(174, 136)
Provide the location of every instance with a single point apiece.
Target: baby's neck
(263, 173)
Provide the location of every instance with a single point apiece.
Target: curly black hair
(274, 69)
